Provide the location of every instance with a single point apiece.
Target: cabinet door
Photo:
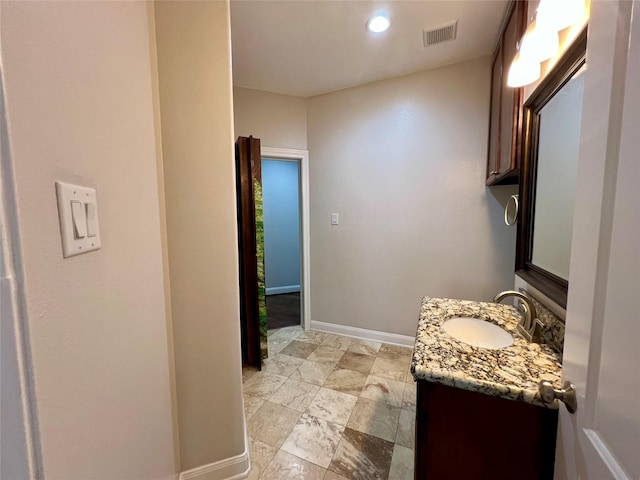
(511, 105)
(494, 119)
(505, 124)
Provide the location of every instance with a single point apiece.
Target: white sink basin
(477, 332)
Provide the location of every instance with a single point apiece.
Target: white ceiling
(308, 47)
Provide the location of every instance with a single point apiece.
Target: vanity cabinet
(466, 434)
(505, 118)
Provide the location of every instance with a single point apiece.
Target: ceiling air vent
(440, 34)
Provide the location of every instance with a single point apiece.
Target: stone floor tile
(312, 372)
(333, 476)
(364, 346)
(362, 457)
(314, 440)
(281, 364)
(251, 405)
(295, 394)
(285, 466)
(263, 384)
(393, 369)
(272, 424)
(402, 464)
(286, 332)
(357, 362)
(332, 406)
(409, 396)
(326, 355)
(346, 381)
(383, 390)
(260, 454)
(311, 336)
(394, 352)
(406, 435)
(337, 341)
(375, 418)
(298, 349)
(275, 345)
(248, 372)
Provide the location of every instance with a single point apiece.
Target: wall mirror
(553, 115)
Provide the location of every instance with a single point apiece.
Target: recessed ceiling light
(378, 24)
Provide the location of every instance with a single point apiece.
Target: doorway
(286, 230)
(282, 241)
(253, 308)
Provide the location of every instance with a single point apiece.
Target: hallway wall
(199, 183)
(79, 109)
(279, 121)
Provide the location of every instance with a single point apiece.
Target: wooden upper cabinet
(494, 119)
(505, 121)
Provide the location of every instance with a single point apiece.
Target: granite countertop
(512, 372)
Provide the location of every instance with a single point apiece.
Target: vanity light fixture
(560, 14)
(523, 71)
(378, 24)
(540, 42)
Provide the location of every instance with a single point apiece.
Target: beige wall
(403, 163)
(279, 121)
(79, 109)
(193, 40)
(155, 91)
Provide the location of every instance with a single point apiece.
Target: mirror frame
(546, 282)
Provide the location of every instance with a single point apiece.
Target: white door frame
(302, 156)
(19, 415)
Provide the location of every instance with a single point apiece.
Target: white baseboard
(363, 333)
(285, 289)
(233, 468)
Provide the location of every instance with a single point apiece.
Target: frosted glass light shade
(378, 24)
(560, 14)
(539, 42)
(523, 71)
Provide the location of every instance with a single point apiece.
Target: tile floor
(327, 407)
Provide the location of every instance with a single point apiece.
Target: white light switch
(79, 220)
(92, 219)
(334, 219)
(78, 214)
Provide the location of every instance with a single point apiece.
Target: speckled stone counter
(512, 372)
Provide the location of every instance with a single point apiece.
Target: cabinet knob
(494, 172)
(566, 394)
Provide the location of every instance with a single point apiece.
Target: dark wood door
(251, 251)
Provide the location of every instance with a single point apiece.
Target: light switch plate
(334, 219)
(71, 245)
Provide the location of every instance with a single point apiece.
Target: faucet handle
(529, 326)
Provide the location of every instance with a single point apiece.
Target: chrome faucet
(530, 325)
